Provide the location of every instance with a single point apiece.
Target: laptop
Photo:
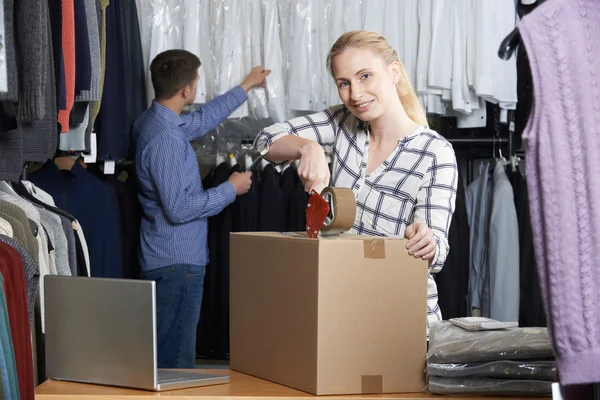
(103, 331)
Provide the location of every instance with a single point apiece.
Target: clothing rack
(478, 140)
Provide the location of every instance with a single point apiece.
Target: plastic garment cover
(164, 30)
(277, 106)
(302, 73)
(257, 98)
(437, 41)
(488, 386)
(196, 39)
(451, 344)
(447, 48)
(533, 370)
(229, 38)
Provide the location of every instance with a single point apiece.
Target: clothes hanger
(509, 45)
(513, 40)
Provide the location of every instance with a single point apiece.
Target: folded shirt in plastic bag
(451, 344)
(533, 370)
(488, 386)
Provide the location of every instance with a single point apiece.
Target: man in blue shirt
(174, 229)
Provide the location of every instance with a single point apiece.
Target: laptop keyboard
(167, 376)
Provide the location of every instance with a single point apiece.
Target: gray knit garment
(11, 57)
(74, 140)
(11, 149)
(40, 137)
(31, 31)
(67, 226)
(32, 275)
(18, 229)
(94, 37)
(50, 240)
(61, 250)
(12, 210)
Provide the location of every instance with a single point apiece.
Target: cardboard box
(343, 315)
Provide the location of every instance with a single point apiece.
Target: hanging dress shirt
(166, 32)
(197, 39)
(302, 75)
(479, 200)
(502, 286)
(252, 16)
(230, 58)
(409, 47)
(273, 47)
(442, 42)
(374, 16)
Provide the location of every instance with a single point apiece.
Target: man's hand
(256, 78)
(241, 182)
(421, 242)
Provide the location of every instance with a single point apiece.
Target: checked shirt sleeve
(436, 201)
(321, 127)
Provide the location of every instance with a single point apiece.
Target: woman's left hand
(421, 242)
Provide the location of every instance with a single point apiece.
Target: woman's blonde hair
(382, 48)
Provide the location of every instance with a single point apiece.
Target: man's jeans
(178, 303)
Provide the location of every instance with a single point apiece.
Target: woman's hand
(313, 169)
(421, 242)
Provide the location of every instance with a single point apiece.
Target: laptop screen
(100, 331)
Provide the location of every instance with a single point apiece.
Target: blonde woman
(403, 174)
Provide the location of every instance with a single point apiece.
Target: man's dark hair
(171, 70)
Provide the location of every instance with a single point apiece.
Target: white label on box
(109, 167)
(91, 158)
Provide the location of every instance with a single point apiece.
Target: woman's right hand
(313, 169)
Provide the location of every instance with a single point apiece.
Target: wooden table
(241, 386)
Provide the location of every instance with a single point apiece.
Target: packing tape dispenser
(330, 211)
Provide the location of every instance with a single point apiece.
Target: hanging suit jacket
(213, 328)
(479, 199)
(453, 280)
(531, 308)
(503, 281)
(271, 212)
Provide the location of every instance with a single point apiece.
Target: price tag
(109, 167)
(91, 158)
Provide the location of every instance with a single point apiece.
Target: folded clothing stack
(517, 361)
